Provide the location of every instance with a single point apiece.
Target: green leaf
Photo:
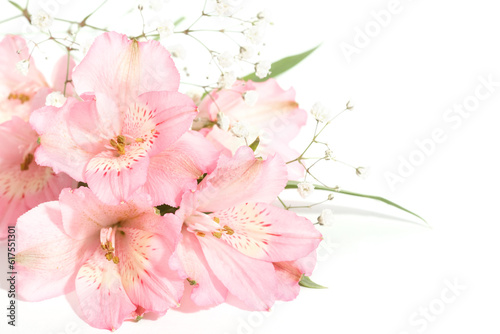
(255, 144)
(16, 5)
(179, 21)
(306, 282)
(282, 65)
(293, 185)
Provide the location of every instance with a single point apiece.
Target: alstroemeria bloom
(23, 184)
(236, 243)
(128, 119)
(20, 94)
(117, 258)
(265, 110)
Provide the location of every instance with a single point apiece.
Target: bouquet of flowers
(141, 198)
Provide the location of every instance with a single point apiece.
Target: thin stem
(11, 18)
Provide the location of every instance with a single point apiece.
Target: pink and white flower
(119, 258)
(129, 117)
(237, 244)
(268, 112)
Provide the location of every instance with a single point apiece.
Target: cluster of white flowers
(177, 51)
(240, 130)
(251, 97)
(305, 189)
(326, 217)
(41, 20)
(227, 80)
(329, 155)
(321, 112)
(256, 33)
(227, 7)
(362, 172)
(262, 69)
(226, 59)
(55, 99)
(223, 122)
(195, 94)
(166, 29)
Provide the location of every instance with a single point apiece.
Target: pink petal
(168, 114)
(84, 214)
(63, 71)
(242, 179)
(102, 297)
(124, 69)
(250, 280)
(21, 190)
(115, 179)
(58, 148)
(268, 233)
(176, 169)
(145, 246)
(289, 274)
(208, 290)
(47, 259)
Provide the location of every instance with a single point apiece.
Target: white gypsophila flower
(256, 33)
(326, 217)
(55, 99)
(251, 97)
(225, 59)
(166, 29)
(223, 122)
(362, 172)
(41, 20)
(264, 15)
(329, 155)
(240, 130)
(227, 80)
(305, 189)
(262, 69)
(23, 66)
(177, 51)
(195, 94)
(320, 112)
(247, 52)
(227, 7)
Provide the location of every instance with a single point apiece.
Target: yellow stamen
(200, 234)
(228, 230)
(21, 97)
(139, 140)
(217, 220)
(116, 260)
(28, 159)
(218, 235)
(109, 256)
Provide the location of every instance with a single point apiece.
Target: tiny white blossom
(195, 94)
(251, 97)
(329, 155)
(326, 217)
(262, 69)
(305, 189)
(166, 29)
(264, 15)
(247, 52)
(255, 34)
(227, 7)
(225, 59)
(23, 66)
(177, 51)
(320, 112)
(362, 172)
(55, 99)
(239, 130)
(223, 121)
(227, 80)
(41, 20)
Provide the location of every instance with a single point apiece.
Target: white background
(380, 271)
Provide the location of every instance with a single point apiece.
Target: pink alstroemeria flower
(20, 94)
(23, 184)
(117, 258)
(114, 139)
(264, 110)
(235, 243)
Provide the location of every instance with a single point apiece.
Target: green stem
(294, 185)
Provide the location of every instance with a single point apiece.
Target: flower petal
(208, 290)
(268, 233)
(289, 274)
(47, 259)
(145, 246)
(252, 281)
(124, 69)
(102, 297)
(242, 179)
(176, 169)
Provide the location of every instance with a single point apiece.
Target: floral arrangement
(141, 198)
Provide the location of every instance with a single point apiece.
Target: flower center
(21, 97)
(108, 243)
(122, 141)
(201, 224)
